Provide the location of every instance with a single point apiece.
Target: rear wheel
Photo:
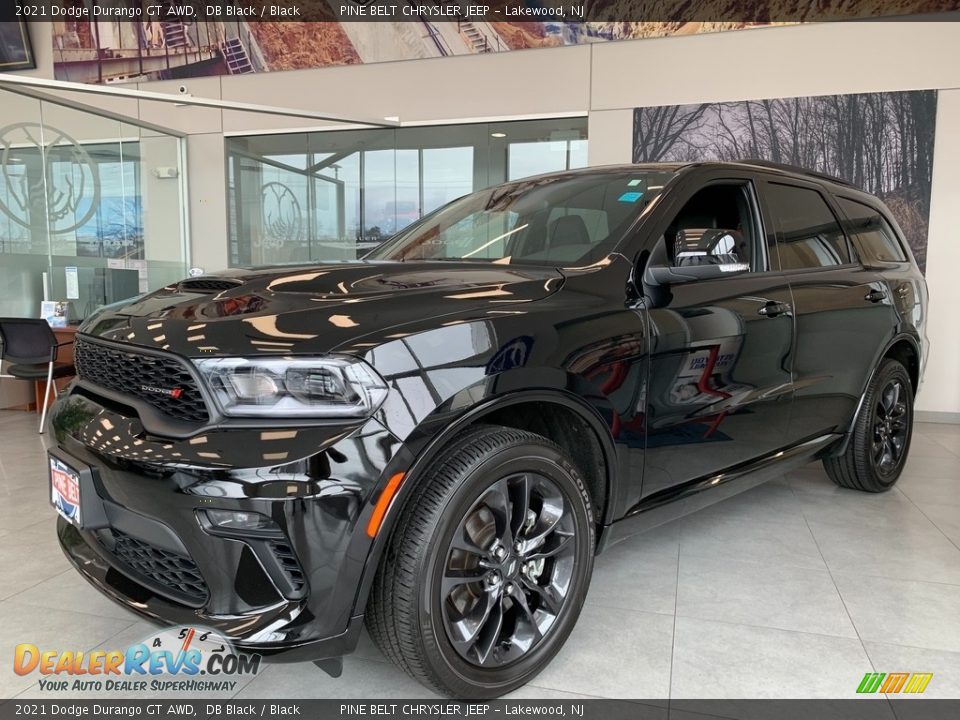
(488, 566)
(878, 448)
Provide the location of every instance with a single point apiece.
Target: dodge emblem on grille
(169, 392)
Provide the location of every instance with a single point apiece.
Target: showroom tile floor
(793, 589)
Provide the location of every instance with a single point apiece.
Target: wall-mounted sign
(72, 282)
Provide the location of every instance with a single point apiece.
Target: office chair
(32, 345)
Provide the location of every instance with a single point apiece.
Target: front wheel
(878, 448)
(488, 566)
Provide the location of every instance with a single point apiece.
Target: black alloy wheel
(889, 427)
(487, 566)
(508, 570)
(879, 443)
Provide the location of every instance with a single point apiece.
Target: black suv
(437, 439)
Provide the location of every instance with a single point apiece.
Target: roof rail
(786, 167)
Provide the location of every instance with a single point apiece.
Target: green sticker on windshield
(634, 183)
(630, 197)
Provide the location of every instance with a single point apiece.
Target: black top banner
(717, 12)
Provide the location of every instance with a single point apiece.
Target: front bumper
(145, 543)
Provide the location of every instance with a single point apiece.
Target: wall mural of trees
(881, 142)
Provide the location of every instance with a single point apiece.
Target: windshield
(567, 221)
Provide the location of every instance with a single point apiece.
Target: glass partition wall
(91, 208)
(333, 195)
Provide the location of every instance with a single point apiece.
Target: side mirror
(699, 254)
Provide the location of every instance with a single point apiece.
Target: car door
(842, 311)
(720, 348)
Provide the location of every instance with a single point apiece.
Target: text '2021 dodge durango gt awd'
(438, 438)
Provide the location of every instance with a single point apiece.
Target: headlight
(325, 387)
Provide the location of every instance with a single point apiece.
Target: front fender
(487, 395)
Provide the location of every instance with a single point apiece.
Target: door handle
(772, 309)
(876, 296)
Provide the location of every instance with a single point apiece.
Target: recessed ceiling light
(498, 135)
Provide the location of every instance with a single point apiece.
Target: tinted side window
(876, 237)
(809, 235)
(713, 228)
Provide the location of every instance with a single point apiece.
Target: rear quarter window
(871, 232)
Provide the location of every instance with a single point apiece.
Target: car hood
(314, 309)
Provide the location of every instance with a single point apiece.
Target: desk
(64, 357)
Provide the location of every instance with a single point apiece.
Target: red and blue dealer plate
(65, 490)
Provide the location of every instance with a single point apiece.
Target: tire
(429, 597)
(880, 442)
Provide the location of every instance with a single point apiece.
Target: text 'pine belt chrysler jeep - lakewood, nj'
(436, 439)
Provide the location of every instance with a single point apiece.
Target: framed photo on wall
(16, 52)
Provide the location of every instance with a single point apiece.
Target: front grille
(175, 574)
(289, 565)
(130, 372)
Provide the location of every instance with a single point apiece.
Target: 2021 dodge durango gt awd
(437, 439)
